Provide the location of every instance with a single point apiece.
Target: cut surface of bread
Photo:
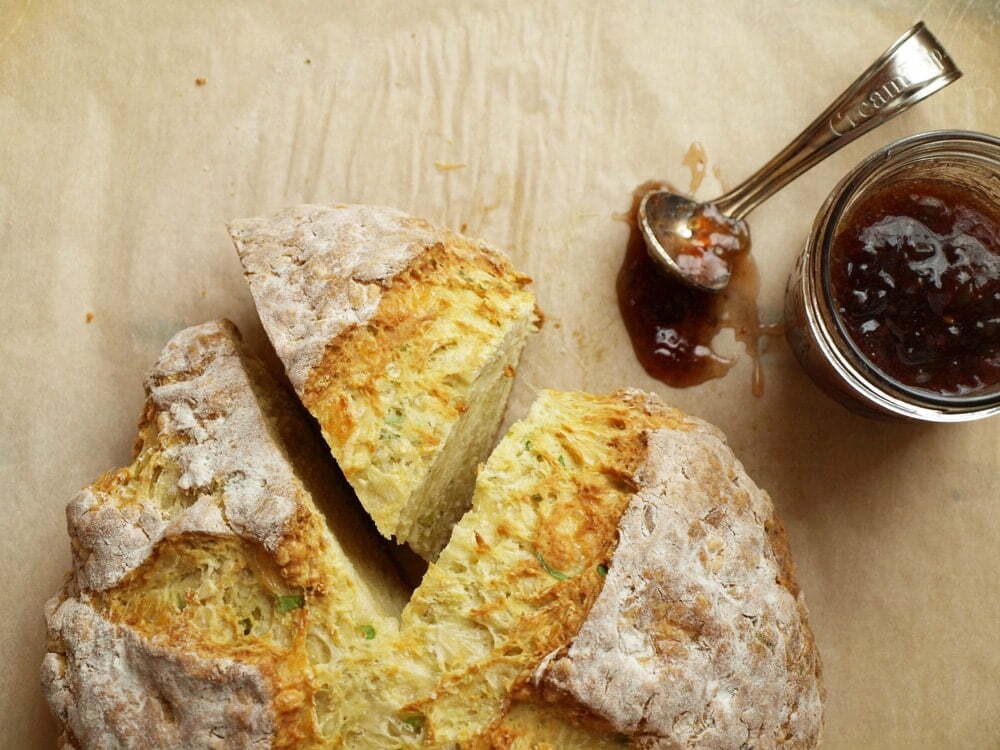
(402, 339)
(618, 580)
(211, 603)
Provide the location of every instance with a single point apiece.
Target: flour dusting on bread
(401, 338)
(699, 637)
(207, 422)
(317, 270)
(618, 576)
(211, 604)
(159, 696)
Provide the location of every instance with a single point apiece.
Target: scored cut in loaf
(211, 604)
(402, 339)
(618, 580)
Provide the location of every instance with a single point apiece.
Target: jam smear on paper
(672, 326)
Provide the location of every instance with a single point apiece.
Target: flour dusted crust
(699, 637)
(160, 697)
(202, 403)
(315, 271)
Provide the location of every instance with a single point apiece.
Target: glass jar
(813, 328)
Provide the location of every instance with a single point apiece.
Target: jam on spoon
(713, 242)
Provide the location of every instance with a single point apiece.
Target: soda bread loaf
(212, 602)
(618, 580)
(402, 339)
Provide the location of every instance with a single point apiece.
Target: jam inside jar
(915, 281)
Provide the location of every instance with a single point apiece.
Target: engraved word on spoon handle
(913, 68)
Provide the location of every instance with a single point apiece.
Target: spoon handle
(913, 68)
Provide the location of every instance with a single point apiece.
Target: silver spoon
(693, 241)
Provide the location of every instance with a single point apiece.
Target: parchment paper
(118, 173)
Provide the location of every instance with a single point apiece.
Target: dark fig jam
(915, 279)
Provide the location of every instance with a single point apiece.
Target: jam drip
(672, 326)
(915, 276)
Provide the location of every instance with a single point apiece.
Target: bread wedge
(402, 339)
(212, 603)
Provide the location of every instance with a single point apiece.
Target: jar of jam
(894, 305)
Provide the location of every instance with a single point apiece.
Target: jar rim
(898, 397)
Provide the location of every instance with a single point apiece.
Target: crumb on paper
(88, 318)
(308, 61)
(541, 318)
(200, 81)
(462, 229)
(445, 166)
(509, 371)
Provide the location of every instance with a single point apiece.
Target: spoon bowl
(692, 242)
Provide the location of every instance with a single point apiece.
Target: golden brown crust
(391, 329)
(138, 602)
(408, 303)
(602, 587)
(314, 271)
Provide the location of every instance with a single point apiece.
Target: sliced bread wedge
(402, 339)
